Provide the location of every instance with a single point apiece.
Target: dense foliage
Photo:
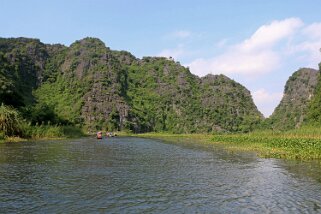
(21, 64)
(293, 109)
(303, 143)
(89, 85)
(314, 109)
(165, 96)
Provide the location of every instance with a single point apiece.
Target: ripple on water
(141, 175)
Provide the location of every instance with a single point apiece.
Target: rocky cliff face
(228, 104)
(298, 92)
(90, 85)
(22, 63)
(313, 116)
(92, 65)
(163, 96)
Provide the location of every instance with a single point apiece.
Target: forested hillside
(91, 86)
(314, 107)
(298, 92)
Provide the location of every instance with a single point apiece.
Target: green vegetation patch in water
(287, 145)
(302, 144)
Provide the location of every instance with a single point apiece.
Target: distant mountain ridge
(89, 85)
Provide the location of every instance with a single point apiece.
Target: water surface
(134, 175)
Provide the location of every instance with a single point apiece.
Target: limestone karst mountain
(88, 84)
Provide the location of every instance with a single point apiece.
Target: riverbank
(45, 132)
(297, 144)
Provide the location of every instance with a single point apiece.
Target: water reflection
(142, 175)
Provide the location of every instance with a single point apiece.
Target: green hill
(298, 92)
(89, 85)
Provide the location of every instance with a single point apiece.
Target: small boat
(110, 134)
(99, 135)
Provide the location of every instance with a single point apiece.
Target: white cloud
(252, 57)
(221, 43)
(262, 96)
(313, 31)
(266, 101)
(236, 62)
(309, 48)
(181, 34)
(279, 46)
(269, 35)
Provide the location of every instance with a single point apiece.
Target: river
(135, 175)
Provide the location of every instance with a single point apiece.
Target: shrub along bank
(13, 127)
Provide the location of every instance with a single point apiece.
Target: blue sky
(257, 43)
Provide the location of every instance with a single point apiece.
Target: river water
(134, 175)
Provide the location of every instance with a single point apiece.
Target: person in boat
(109, 134)
(99, 135)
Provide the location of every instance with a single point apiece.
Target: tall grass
(10, 122)
(2, 136)
(51, 131)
